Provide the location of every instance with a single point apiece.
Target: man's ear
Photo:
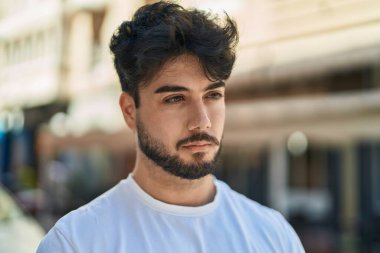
(128, 108)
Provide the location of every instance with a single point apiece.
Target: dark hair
(163, 31)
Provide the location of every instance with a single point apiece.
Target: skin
(169, 115)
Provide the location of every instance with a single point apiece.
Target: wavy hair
(163, 31)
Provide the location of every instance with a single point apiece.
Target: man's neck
(171, 189)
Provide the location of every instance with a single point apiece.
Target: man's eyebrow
(171, 88)
(215, 85)
(177, 88)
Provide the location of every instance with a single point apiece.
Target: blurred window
(308, 170)
(97, 23)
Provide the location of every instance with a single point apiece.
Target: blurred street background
(302, 133)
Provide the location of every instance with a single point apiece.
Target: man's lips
(197, 143)
(197, 139)
(197, 146)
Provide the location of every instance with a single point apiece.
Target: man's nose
(199, 119)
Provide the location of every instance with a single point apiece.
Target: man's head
(171, 63)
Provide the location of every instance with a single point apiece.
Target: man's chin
(205, 152)
(191, 166)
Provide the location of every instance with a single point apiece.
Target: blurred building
(302, 133)
(30, 82)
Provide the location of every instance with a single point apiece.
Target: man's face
(181, 118)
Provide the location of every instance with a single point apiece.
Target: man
(172, 64)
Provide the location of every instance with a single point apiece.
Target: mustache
(198, 137)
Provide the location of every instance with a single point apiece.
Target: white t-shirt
(126, 219)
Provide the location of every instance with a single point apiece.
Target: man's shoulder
(93, 213)
(251, 209)
(263, 222)
(241, 200)
(85, 229)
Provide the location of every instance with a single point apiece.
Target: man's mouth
(199, 140)
(198, 146)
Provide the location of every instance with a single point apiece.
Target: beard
(173, 164)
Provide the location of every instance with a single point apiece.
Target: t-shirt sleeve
(55, 241)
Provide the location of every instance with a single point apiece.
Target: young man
(172, 64)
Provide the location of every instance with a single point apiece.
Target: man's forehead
(180, 66)
(182, 73)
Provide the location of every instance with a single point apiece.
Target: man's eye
(173, 100)
(214, 95)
